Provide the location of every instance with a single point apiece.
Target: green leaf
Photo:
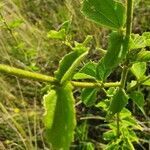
(59, 117)
(128, 145)
(132, 122)
(103, 104)
(61, 34)
(137, 42)
(71, 70)
(143, 56)
(131, 84)
(138, 69)
(146, 36)
(107, 13)
(89, 96)
(114, 145)
(89, 69)
(115, 51)
(68, 64)
(79, 47)
(80, 76)
(102, 71)
(138, 98)
(125, 113)
(115, 54)
(132, 136)
(111, 91)
(71, 61)
(15, 23)
(118, 101)
(147, 82)
(50, 101)
(65, 63)
(87, 72)
(109, 135)
(87, 146)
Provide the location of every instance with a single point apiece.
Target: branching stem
(44, 78)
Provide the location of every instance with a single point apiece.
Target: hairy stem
(124, 77)
(126, 49)
(44, 78)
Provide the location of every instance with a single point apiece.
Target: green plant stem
(94, 84)
(92, 117)
(126, 49)
(124, 77)
(129, 18)
(25, 74)
(44, 78)
(122, 85)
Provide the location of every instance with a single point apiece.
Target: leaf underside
(59, 118)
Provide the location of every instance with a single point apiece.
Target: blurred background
(24, 25)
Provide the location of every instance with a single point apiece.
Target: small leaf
(131, 84)
(15, 23)
(89, 96)
(147, 82)
(115, 54)
(110, 91)
(125, 113)
(71, 70)
(89, 69)
(143, 56)
(59, 117)
(87, 72)
(103, 104)
(138, 98)
(146, 36)
(138, 69)
(118, 101)
(109, 135)
(80, 47)
(108, 13)
(80, 76)
(137, 42)
(61, 34)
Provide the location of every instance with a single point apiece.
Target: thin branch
(125, 49)
(92, 117)
(44, 78)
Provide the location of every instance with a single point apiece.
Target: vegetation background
(24, 25)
